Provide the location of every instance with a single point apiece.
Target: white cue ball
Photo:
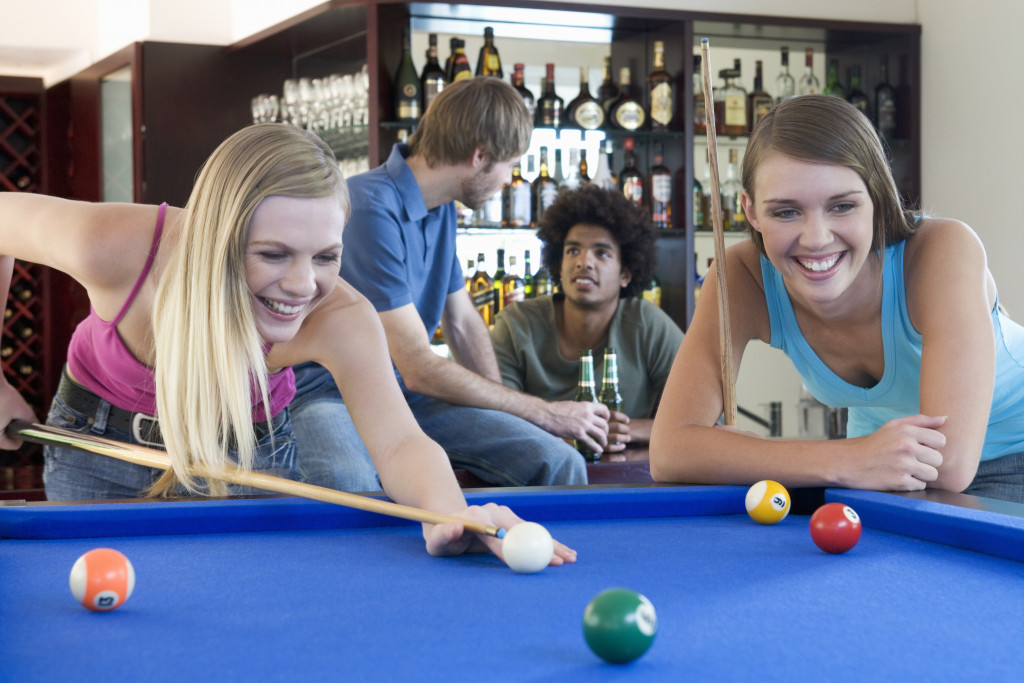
(527, 548)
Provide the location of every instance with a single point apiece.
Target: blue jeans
(70, 474)
(1001, 478)
(497, 447)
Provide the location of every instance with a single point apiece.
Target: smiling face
(592, 272)
(292, 261)
(816, 221)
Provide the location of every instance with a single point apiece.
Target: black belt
(145, 429)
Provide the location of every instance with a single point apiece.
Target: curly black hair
(627, 221)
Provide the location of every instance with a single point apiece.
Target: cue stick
(724, 321)
(151, 457)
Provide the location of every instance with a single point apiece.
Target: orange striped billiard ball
(102, 579)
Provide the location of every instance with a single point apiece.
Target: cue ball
(767, 502)
(102, 579)
(527, 548)
(619, 625)
(835, 528)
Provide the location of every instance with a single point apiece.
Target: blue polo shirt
(396, 251)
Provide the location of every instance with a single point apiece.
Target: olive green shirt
(644, 337)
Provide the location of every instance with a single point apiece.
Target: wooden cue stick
(724, 326)
(151, 457)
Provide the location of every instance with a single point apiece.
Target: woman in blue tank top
(891, 314)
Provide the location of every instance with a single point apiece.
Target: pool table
(288, 589)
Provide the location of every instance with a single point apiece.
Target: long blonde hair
(209, 356)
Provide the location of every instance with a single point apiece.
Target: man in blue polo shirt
(400, 253)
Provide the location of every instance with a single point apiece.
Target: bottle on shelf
(571, 178)
(809, 84)
(499, 283)
(832, 85)
(631, 181)
(603, 177)
(481, 289)
(652, 292)
(584, 111)
(731, 103)
(609, 394)
(582, 170)
(528, 292)
(607, 92)
(513, 287)
(733, 217)
(489, 63)
(550, 107)
(885, 102)
(759, 102)
(432, 77)
(785, 85)
(542, 285)
(557, 173)
(856, 96)
(515, 212)
(700, 115)
(627, 113)
(518, 84)
(406, 92)
(659, 190)
(460, 63)
(697, 203)
(660, 93)
(585, 392)
(544, 190)
(449, 64)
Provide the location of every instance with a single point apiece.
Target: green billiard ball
(619, 625)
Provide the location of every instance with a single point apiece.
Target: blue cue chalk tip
(501, 533)
(703, 40)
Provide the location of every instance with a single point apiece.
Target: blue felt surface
(735, 601)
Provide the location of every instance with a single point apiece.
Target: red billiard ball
(835, 528)
(102, 579)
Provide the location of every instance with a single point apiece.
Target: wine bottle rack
(21, 347)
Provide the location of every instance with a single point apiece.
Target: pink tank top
(99, 360)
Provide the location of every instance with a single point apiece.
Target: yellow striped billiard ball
(767, 502)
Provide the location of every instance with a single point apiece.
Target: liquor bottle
(832, 85)
(460, 64)
(732, 208)
(660, 95)
(603, 177)
(609, 394)
(544, 190)
(517, 83)
(731, 104)
(406, 91)
(571, 177)
(550, 107)
(468, 273)
(607, 92)
(885, 102)
(631, 181)
(809, 84)
(585, 392)
(700, 114)
(513, 287)
(449, 64)
(515, 212)
(481, 289)
(785, 86)
(660, 190)
(627, 113)
(499, 283)
(489, 63)
(759, 102)
(557, 174)
(584, 111)
(857, 97)
(432, 78)
(528, 291)
(582, 170)
(652, 292)
(542, 285)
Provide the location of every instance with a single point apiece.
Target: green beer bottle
(585, 392)
(610, 395)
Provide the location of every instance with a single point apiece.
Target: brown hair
(482, 112)
(824, 129)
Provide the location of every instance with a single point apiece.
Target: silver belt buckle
(137, 424)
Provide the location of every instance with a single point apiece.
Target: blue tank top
(897, 393)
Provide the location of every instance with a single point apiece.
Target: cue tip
(501, 533)
(703, 41)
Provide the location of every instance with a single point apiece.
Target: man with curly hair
(600, 250)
